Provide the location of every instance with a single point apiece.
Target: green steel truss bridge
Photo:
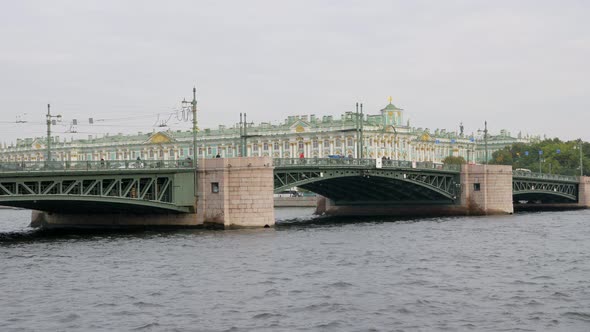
(546, 188)
(363, 181)
(169, 186)
(360, 181)
(75, 187)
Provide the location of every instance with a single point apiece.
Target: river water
(526, 272)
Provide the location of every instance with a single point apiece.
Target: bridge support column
(584, 192)
(236, 192)
(486, 189)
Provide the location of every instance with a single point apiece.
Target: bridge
(545, 188)
(391, 182)
(132, 187)
(169, 187)
(358, 181)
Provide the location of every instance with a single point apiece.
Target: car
(523, 170)
(288, 193)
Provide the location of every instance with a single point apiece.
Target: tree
(452, 160)
(502, 157)
(557, 157)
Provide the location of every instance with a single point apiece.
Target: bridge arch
(390, 186)
(545, 191)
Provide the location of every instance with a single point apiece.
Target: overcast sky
(520, 65)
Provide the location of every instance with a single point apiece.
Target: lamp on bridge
(193, 106)
(49, 122)
(579, 147)
(540, 161)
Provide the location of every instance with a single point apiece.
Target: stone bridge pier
(584, 192)
(236, 192)
(486, 189)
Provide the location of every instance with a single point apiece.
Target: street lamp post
(245, 140)
(357, 131)
(581, 159)
(361, 132)
(395, 147)
(240, 143)
(485, 139)
(49, 117)
(194, 111)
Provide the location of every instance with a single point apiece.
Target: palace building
(383, 134)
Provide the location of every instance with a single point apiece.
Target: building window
(326, 144)
(190, 151)
(349, 141)
(338, 143)
(276, 146)
(215, 187)
(476, 187)
(181, 152)
(162, 154)
(315, 143)
(209, 150)
(265, 147)
(286, 144)
(255, 147)
(300, 145)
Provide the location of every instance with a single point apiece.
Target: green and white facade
(384, 134)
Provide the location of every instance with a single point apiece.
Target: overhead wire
(180, 115)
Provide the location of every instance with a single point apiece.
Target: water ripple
(527, 272)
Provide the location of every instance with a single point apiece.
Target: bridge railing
(420, 165)
(353, 162)
(114, 165)
(558, 177)
(322, 162)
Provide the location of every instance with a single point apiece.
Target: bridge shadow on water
(339, 221)
(99, 234)
(40, 235)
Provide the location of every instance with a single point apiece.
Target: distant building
(385, 134)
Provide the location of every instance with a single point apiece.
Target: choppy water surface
(522, 272)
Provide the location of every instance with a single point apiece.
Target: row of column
(397, 150)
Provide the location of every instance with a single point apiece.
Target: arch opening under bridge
(374, 186)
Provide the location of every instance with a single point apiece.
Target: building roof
(391, 107)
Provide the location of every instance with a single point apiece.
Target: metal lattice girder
(153, 189)
(538, 187)
(443, 183)
(150, 188)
